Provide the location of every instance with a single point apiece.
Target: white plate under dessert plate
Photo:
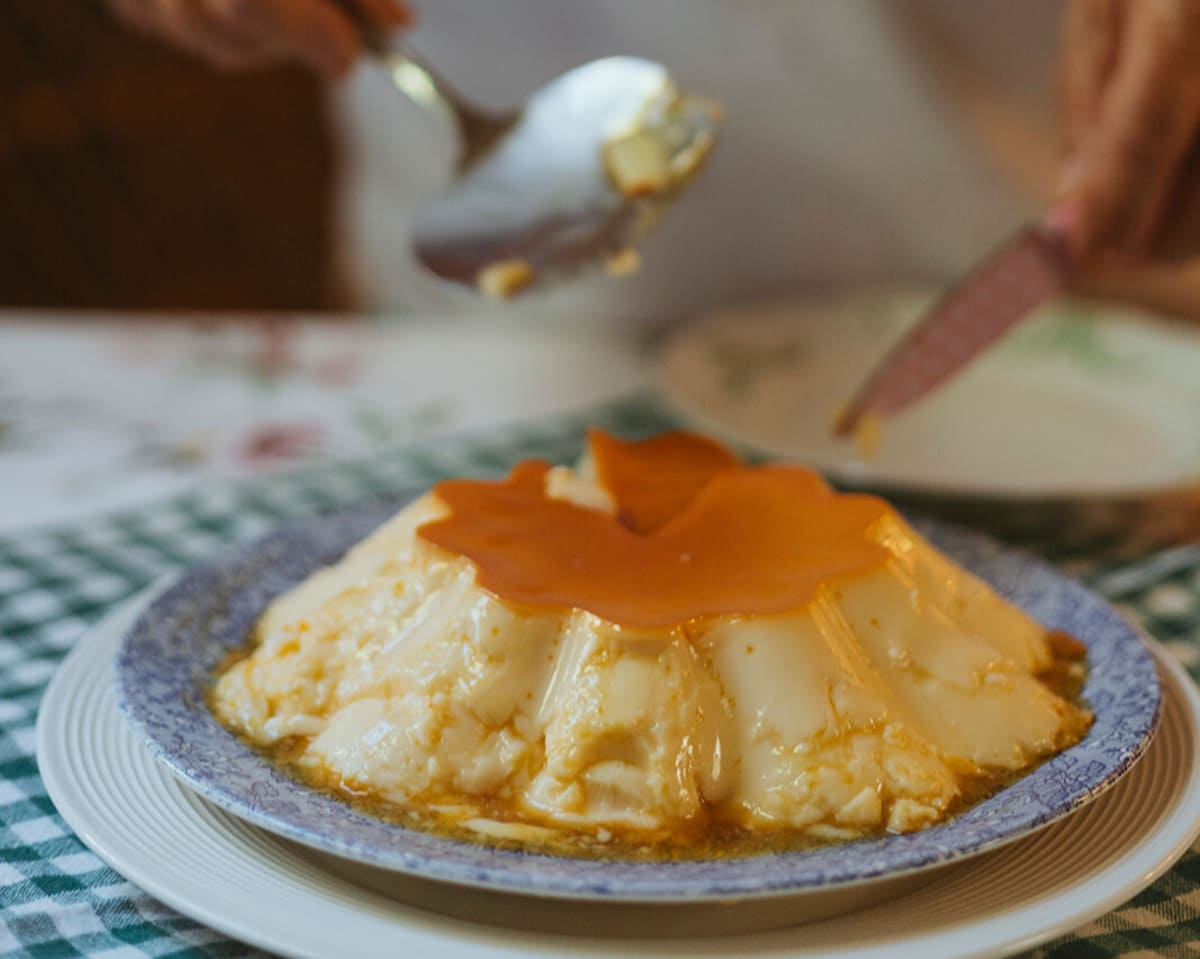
(257, 888)
(1082, 400)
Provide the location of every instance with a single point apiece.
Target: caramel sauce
(697, 534)
(649, 497)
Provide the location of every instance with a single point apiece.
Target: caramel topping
(697, 535)
(655, 480)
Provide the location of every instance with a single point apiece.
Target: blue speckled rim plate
(168, 657)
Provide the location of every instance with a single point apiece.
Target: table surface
(130, 448)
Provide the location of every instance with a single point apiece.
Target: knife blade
(1033, 266)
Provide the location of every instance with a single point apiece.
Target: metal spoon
(537, 195)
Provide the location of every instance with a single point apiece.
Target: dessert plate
(243, 881)
(1080, 401)
(169, 654)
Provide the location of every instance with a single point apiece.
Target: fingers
(195, 27)
(1090, 32)
(386, 13)
(238, 34)
(1129, 159)
(315, 32)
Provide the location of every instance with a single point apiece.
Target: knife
(1033, 266)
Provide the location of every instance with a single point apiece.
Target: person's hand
(1130, 100)
(246, 34)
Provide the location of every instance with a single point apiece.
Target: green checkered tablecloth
(58, 899)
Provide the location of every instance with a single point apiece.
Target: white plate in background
(1081, 400)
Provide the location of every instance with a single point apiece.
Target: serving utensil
(1031, 267)
(536, 194)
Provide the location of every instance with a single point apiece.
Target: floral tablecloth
(114, 412)
(132, 449)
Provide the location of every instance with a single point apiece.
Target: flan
(661, 642)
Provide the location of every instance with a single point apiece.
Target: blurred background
(134, 177)
(176, 243)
